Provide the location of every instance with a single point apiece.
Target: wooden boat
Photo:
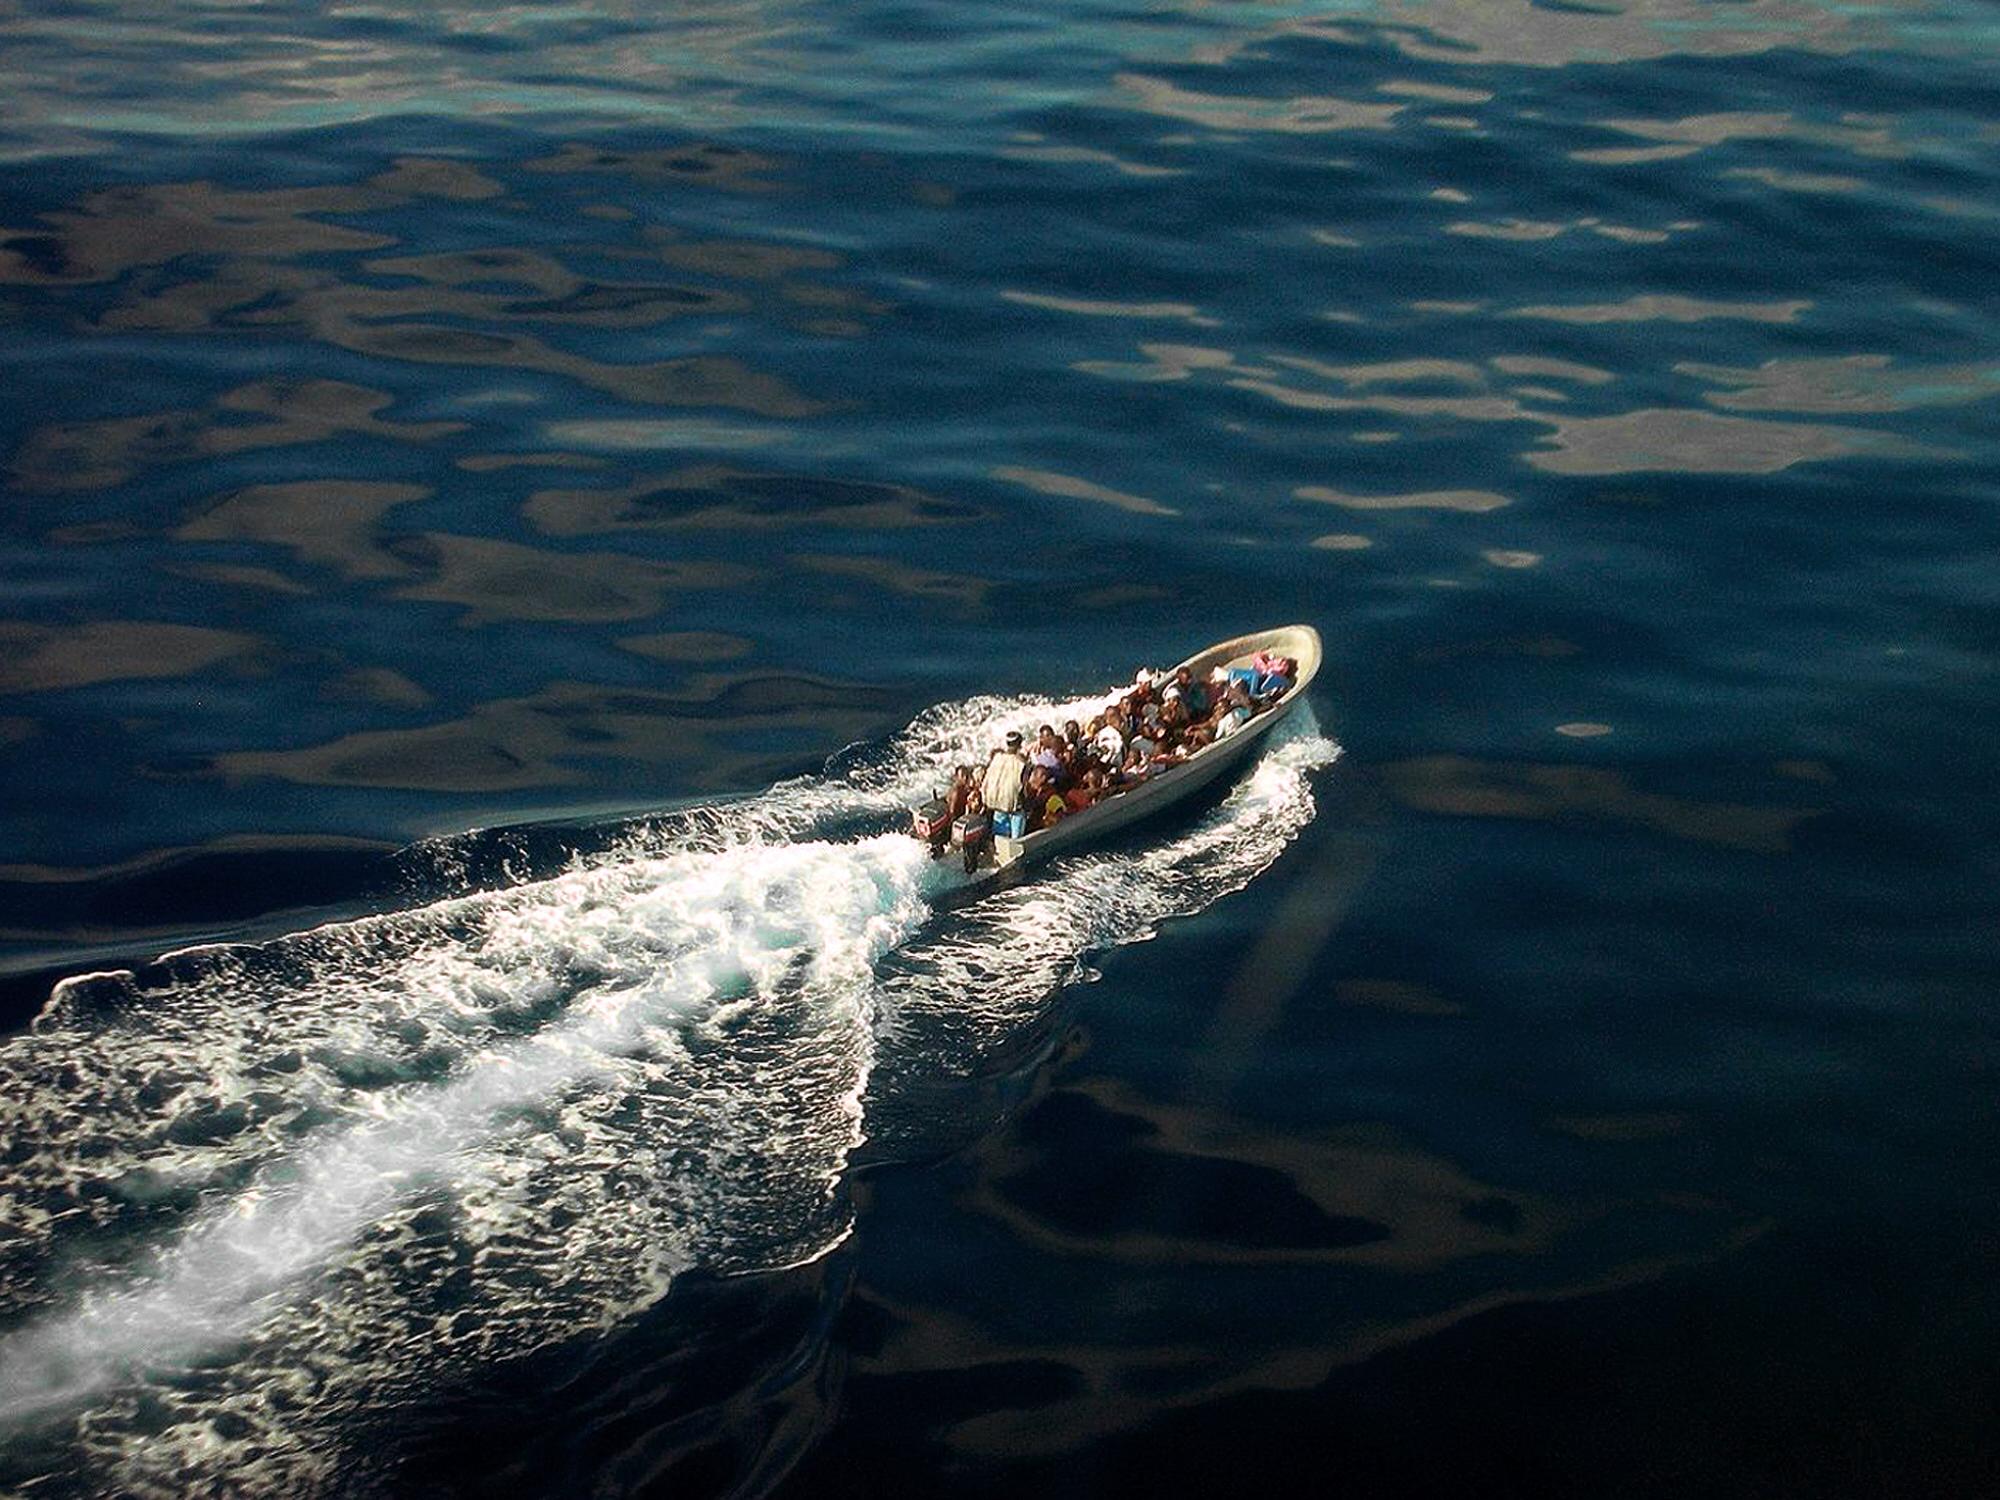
(1202, 769)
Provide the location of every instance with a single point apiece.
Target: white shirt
(1001, 786)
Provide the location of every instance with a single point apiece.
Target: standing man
(1001, 788)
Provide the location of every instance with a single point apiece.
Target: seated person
(964, 783)
(1194, 694)
(956, 795)
(1275, 675)
(1110, 739)
(1048, 751)
(1045, 804)
(1145, 741)
(1089, 788)
(1235, 711)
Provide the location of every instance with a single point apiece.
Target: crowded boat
(1139, 734)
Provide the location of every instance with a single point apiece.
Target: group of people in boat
(1142, 731)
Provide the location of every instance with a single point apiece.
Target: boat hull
(1203, 769)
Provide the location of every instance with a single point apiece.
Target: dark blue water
(502, 503)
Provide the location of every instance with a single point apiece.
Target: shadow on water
(720, 1390)
(1724, 1379)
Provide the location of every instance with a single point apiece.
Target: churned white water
(253, 1192)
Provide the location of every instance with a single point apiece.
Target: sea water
(504, 505)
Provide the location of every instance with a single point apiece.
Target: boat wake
(253, 1194)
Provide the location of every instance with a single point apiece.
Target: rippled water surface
(503, 504)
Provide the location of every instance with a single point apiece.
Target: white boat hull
(1202, 769)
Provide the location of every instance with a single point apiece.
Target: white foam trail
(997, 965)
(735, 922)
(255, 1192)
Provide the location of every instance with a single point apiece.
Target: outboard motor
(929, 820)
(973, 832)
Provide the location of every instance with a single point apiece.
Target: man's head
(1013, 740)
